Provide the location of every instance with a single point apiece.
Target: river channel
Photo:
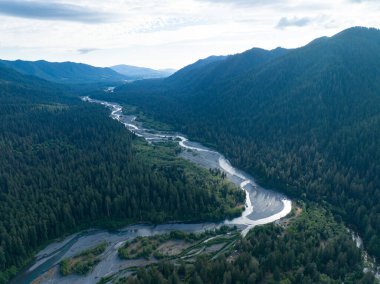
(262, 206)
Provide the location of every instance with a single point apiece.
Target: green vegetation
(226, 199)
(65, 166)
(148, 121)
(306, 121)
(147, 247)
(312, 249)
(82, 263)
(141, 247)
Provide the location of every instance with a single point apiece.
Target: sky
(168, 33)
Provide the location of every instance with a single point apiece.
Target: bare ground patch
(173, 247)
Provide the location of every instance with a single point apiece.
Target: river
(262, 206)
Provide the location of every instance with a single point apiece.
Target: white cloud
(293, 22)
(168, 33)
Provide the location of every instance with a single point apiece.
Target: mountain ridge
(305, 120)
(64, 72)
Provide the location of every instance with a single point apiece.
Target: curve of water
(276, 206)
(262, 206)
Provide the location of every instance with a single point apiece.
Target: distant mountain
(305, 120)
(142, 72)
(206, 73)
(66, 72)
(16, 88)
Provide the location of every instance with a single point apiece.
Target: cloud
(285, 22)
(87, 50)
(247, 2)
(276, 5)
(169, 24)
(50, 10)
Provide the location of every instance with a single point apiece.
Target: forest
(304, 121)
(66, 166)
(313, 248)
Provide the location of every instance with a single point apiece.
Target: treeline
(64, 166)
(313, 249)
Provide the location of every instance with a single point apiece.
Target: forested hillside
(313, 249)
(65, 72)
(305, 121)
(216, 69)
(65, 166)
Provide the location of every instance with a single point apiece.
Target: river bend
(262, 206)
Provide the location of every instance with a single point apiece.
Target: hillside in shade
(305, 120)
(65, 72)
(66, 166)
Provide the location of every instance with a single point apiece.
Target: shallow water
(262, 206)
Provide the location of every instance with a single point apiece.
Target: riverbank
(261, 206)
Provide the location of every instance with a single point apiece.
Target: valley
(256, 167)
(304, 120)
(262, 206)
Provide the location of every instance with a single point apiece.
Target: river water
(262, 206)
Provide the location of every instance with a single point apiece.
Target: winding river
(262, 206)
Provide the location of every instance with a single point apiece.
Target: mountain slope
(216, 69)
(16, 88)
(306, 121)
(65, 166)
(141, 72)
(66, 72)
